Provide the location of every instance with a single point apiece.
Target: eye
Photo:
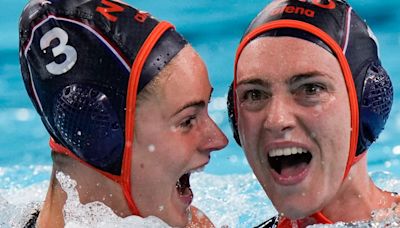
(253, 99)
(313, 89)
(253, 95)
(188, 122)
(311, 93)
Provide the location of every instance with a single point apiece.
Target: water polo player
(124, 98)
(309, 97)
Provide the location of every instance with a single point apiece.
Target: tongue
(186, 192)
(293, 169)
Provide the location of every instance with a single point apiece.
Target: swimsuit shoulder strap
(270, 223)
(32, 220)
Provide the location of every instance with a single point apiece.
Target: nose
(279, 116)
(214, 138)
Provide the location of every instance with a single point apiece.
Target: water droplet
(173, 129)
(233, 158)
(22, 114)
(396, 150)
(217, 117)
(287, 135)
(218, 104)
(200, 214)
(151, 148)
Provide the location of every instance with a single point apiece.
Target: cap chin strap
(359, 157)
(58, 148)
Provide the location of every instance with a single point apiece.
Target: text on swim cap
(113, 7)
(293, 10)
(141, 16)
(329, 4)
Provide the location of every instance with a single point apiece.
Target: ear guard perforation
(87, 123)
(375, 105)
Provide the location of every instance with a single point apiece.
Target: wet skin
(291, 96)
(174, 135)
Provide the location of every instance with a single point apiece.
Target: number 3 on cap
(61, 48)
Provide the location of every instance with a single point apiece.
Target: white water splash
(97, 214)
(16, 216)
(233, 201)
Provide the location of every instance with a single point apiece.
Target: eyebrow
(254, 81)
(303, 76)
(193, 104)
(257, 80)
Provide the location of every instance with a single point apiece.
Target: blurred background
(228, 191)
(214, 28)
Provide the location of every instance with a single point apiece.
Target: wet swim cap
(83, 64)
(334, 26)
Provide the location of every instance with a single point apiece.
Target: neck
(91, 186)
(357, 198)
(51, 213)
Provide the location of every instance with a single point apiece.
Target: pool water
(227, 190)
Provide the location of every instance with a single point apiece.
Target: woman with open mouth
(309, 97)
(124, 98)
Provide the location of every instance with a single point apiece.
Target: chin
(298, 211)
(177, 221)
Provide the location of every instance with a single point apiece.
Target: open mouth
(185, 193)
(183, 185)
(289, 162)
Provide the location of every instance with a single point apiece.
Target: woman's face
(174, 137)
(293, 121)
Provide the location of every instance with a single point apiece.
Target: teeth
(286, 151)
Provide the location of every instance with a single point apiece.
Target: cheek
(151, 157)
(250, 132)
(329, 126)
(154, 173)
(330, 118)
(249, 127)
(173, 153)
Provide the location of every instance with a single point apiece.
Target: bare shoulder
(199, 219)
